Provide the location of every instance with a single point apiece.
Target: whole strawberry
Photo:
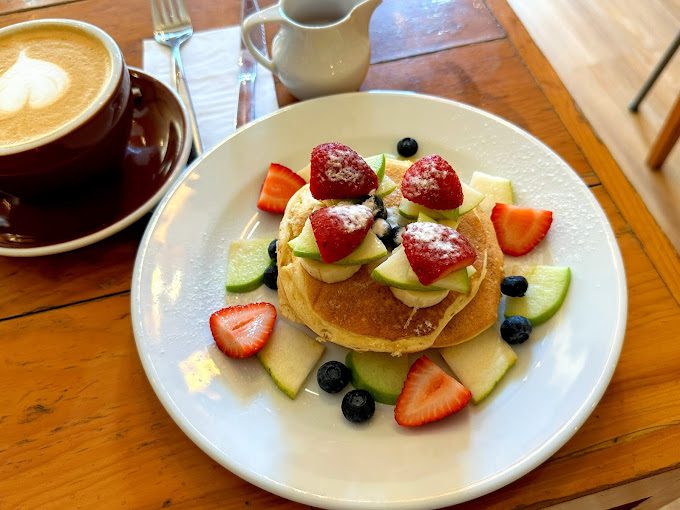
(435, 250)
(433, 183)
(337, 171)
(340, 229)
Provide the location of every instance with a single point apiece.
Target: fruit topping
(358, 406)
(333, 376)
(429, 394)
(396, 272)
(377, 206)
(407, 147)
(289, 357)
(519, 229)
(328, 273)
(280, 184)
(480, 363)
(389, 234)
(339, 172)
(514, 286)
(548, 286)
(419, 298)
(241, 330)
(377, 164)
(434, 250)
(248, 260)
(496, 189)
(433, 183)
(379, 373)
(271, 274)
(340, 229)
(271, 249)
(516, 329)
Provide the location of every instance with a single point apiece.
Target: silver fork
(171, 27)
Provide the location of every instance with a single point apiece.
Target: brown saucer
(158, 149)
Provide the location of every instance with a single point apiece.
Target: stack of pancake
(363, 315)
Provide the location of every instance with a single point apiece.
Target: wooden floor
(603, 50)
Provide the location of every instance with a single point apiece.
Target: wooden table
(80, 426)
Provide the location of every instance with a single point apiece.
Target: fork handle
(183, 90)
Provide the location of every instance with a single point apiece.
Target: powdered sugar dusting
(338, 169)
(428, 178)
(352, 217)
(439, 239)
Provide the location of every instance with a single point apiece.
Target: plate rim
(133, 216)
(484, 486)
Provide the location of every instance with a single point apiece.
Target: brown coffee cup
(65, 107)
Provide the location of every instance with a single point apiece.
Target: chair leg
(670, 132)
(665, 58)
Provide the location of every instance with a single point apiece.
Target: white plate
(304, 450)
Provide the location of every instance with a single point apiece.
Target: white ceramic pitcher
(322, 46)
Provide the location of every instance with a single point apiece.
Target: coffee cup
(65, 107)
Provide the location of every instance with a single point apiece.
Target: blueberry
(377, 206)
(358, 406)
(407, 147)
(271, 249)
(516, 329)
(270, 276)
(391, 236)
(333, 376)
(514, 286)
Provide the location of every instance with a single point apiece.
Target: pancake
(363, 315)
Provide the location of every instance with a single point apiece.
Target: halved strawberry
(280, 184)
(519, 229)
(241, 330)
(435, 250)
(429, 394)
(432, 182)
(339, 172)
(338, 230)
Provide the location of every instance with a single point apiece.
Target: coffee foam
(49, 75)
(31, 83)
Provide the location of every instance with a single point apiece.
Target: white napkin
(211, 66)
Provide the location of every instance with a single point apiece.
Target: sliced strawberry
(339, 172)
(432, 182)
(435, 250)
(519, 229)
(429, 394)
(338, 230)
(241, 330)
(280, 184)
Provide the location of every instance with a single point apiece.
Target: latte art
(50, 76)
(33, 83)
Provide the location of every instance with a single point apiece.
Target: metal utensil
(171, 27)
(247, 74)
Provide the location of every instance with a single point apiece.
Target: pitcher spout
(363, 10)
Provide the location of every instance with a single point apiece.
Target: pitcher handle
(268, 15)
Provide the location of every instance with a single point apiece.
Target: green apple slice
(548, 286)
(370, 249)
(385, 187)
(481, 362)
(411, 210)
(419, 298)
(424, 218)
(328, 273)
(471, 199)
(377, 164)
(289, 356)
(381, 374)
(496, 189)
(248, 259)
(397, 272)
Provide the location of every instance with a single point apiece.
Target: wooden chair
(670, 132)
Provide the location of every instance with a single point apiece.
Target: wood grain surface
(80, 426)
